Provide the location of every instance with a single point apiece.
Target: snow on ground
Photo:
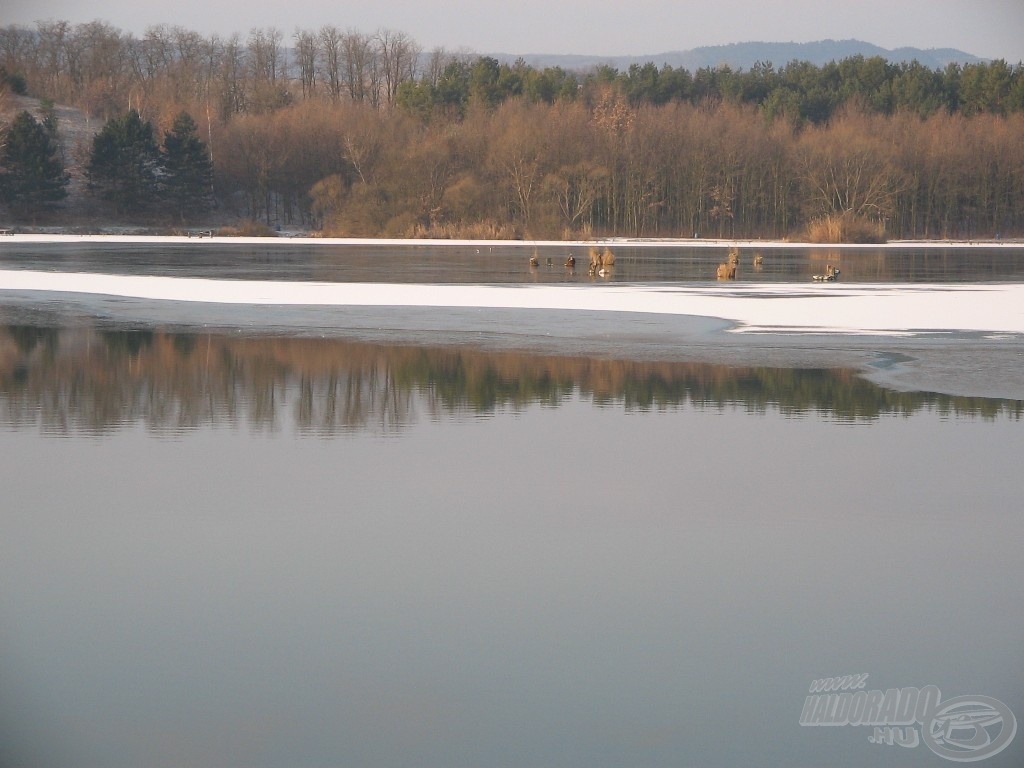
(886, 309)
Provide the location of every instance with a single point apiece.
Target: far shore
(633, 242)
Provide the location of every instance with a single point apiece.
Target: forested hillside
(365, 134)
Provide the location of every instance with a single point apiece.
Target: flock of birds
(602, 261)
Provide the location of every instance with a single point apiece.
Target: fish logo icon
(969, 728)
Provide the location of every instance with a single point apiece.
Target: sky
(986, 28)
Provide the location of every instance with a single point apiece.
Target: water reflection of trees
(94, 381)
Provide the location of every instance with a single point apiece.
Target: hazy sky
(987, 28)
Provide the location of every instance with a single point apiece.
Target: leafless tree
(264, 51)
(52, 37)
(436, 62)
(360, 67)
(152, 56)
(232, 77)
(306, 49)
(331, 39)
(398, 58)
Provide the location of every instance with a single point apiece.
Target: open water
(288, 543)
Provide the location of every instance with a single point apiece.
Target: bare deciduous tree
(306, 50)
(360, 67)
(331, 59)
(398, 55)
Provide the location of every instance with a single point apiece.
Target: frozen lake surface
(403, 261)
(939, 317)
(286, 516)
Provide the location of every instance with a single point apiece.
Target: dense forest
(365, 134)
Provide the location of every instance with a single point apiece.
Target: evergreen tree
(32, 174)
(188, 170)
(49, 112)
(124, 165)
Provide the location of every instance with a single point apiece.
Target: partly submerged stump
(601, 258)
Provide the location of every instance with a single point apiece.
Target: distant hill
(745, 55)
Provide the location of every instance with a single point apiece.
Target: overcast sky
(987, 28)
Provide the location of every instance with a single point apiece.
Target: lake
(310, 536)
(509, 262)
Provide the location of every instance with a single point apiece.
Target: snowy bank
(886, 309)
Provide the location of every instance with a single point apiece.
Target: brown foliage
(844, 229)
(468, 230)
(294, 151)
(248, 228)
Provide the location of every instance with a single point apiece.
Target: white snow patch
(887, 309)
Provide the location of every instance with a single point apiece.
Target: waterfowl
(831, 273)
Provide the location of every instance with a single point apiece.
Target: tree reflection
(96, 381)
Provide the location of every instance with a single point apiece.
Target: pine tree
(124, 165)
(188, 171)
(32, 175)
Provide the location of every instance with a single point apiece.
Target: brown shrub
(402, 225)
(470, 230)
(844, 229)
(250, 228)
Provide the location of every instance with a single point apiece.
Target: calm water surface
(509, 264)
(230, 550)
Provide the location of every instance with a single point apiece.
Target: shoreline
(630, 242)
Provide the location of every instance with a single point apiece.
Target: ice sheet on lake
(886, 309)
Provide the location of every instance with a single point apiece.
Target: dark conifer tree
(32, 175)
(188, 170)
(124, 166)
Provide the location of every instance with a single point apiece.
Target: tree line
(97, 66)
(126, 166)
(571, 169)
(365, 134)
